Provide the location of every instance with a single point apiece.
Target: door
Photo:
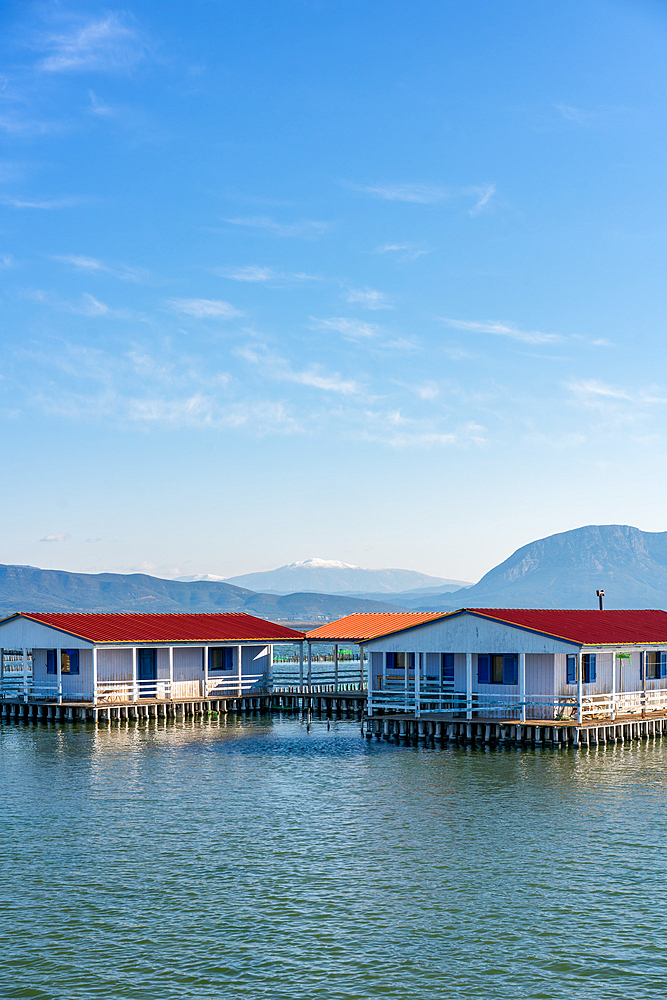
(147, 672)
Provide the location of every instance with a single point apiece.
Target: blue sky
(377, 281)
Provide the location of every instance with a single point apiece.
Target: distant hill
(326, 576)
(565, 570)
(26, 588)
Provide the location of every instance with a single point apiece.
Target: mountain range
(328, 576)
(562, 570)
(27, 588)
(565, 570)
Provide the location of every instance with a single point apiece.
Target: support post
(417, 685)
(407, 680)
(301, 664)
(2, 669)
(580, 690)
(25, 673)
(310, 663)
(59, 674)
(206, 671)
(369, 682)
(613, 685)
(336, 668)
(522, 685)
(239, 657)
(269, 668)
(171, 672)
(468, 685)
(361, 668)
(94, 652)
(135, 689)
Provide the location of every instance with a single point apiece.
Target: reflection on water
(253, 859)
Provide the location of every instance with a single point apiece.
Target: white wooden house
(522, 665)
(107, 658)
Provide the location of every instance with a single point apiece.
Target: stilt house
(103, 658)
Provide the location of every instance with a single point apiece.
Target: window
(69, 661)
(396, 661)
(448, 668)
(571, 669)
(51, 661)
(588, 667)
(656, 665)
(221, 658)
(498, 668)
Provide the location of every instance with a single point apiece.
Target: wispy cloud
(205, 308)
(252, 273)
(409, 251)
(370, 298)
(107, 45)
(90, 265)
(353, 329)
(309, 229)
(62, 537)
(87, 305)
(590, 390)
(575, 114)
(45, 204)
(428, 194)
(139, 388)
(280, 369)
(505, 330)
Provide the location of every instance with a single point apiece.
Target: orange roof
(231, 626)
(371, 625)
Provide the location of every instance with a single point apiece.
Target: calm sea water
(252, 859)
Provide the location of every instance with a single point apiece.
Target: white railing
(323, 678)
(534, 706)
(125, 690)
(233, 686)
(14, 686)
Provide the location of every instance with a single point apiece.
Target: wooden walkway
(498, 732)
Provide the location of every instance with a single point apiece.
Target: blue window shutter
(641, 666)
(390, 661)
(571, 675)
(51, 667)
(448, 666)
(484, 669)
(510, 669)
(663, 664)
(412, 661)
(592, 668)
(227, 658)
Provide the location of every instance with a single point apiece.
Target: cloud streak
(505, 330)
(280, 370)
(106, 45)
(205, 308)
(428, 194)
(90, 265)
(253, 273)
(309, 229)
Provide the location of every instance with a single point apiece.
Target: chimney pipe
(600, 594)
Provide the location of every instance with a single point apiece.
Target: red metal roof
(589, 628)
(371, 625)
(128, 628)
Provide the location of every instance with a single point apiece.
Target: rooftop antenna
(600, 594)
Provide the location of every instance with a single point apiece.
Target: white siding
(20, 632)
(469, 634)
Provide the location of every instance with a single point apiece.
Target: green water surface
(252, 859)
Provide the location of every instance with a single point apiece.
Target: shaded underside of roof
(368, 625)
(166, 628)
(588, 628)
